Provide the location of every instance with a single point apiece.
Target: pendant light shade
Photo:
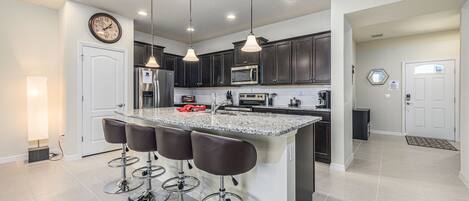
(190, 56)
(152, 63)
(251, 44)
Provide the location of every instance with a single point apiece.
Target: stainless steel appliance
(252, 99)
(187, 99)
(245, 75)
(153, 88)
(324, 99)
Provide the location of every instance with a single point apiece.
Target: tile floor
(385, 169)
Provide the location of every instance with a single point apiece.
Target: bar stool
(143, 139)
(176, 144)
(223, 156)
(114, 133)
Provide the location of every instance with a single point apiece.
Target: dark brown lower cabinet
(322, 130)
(323, 141)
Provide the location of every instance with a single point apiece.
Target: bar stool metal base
(222, 195)
(144, 196)
(122, 186)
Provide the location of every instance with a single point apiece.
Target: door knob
(121, 105)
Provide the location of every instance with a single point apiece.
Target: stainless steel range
(247, 100)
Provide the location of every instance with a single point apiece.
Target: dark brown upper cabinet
(193, 74)
(312, 59)
(218, 70)
(180, 73)
(302, 62)
(322, 59)
(227, 64)
(206, 70)
(246, 58)
(276, 63)
(222, 63)
(176, 64)
(142, 52)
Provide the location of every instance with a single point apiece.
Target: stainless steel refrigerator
(153, 88)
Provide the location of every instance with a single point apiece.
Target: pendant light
(152, 63)
(190, 56)
(251, 44)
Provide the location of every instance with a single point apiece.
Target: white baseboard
(464, 179)
(382, 132)
(342, 167)
(13, 158)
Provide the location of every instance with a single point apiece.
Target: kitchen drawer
(326, 116)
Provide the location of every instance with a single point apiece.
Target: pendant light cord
(152, 34)
(191, 29)
(251, 18)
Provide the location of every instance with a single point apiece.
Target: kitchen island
(284, 143)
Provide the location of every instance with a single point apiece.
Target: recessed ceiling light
(142, 13)
(231, 17)
(190, 29)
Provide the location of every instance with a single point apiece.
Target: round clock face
(105, 28)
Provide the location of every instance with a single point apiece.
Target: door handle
(121, 105)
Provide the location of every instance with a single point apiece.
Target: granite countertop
(251, 123)
(304, 108)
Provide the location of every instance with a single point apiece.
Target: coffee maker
(324, 99)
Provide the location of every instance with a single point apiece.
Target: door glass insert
(429, 69)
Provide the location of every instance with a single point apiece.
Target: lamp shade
(151, 63)
(190, 56)
(38, 123)
(251, 44)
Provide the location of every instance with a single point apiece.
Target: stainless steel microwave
(245, 75)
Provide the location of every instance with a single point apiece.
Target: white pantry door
(103, 93)
(430, 99)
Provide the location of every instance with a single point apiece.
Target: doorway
(103, 93)
(430, 99)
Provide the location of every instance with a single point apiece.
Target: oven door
(244, 75)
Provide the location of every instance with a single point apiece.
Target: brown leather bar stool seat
(143, 139)
(114, 133)
(175, 144)
(222, 156)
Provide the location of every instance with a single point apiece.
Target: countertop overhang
(249, 123)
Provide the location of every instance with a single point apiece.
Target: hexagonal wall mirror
(378, 77)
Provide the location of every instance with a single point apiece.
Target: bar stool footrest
(228, 197)
(173, 185)
(141, 173)
(117, 162)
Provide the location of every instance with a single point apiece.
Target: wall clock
(105, 28)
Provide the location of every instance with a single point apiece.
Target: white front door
(430, 99)
(103, 93)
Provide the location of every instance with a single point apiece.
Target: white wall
(389, 54)
(308, 24)
(465, 94)
(73, 28)
(308, 94)
(341, 78)
(29, 46)
(171, 46)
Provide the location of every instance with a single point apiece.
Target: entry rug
(430, 142)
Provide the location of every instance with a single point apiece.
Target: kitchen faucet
(214, 107)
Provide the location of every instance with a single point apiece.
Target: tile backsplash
(308, 94)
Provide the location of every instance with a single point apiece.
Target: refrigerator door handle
(158, 91)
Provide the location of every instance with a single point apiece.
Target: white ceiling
(54, 4)
(208, 15)
(407, 17)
